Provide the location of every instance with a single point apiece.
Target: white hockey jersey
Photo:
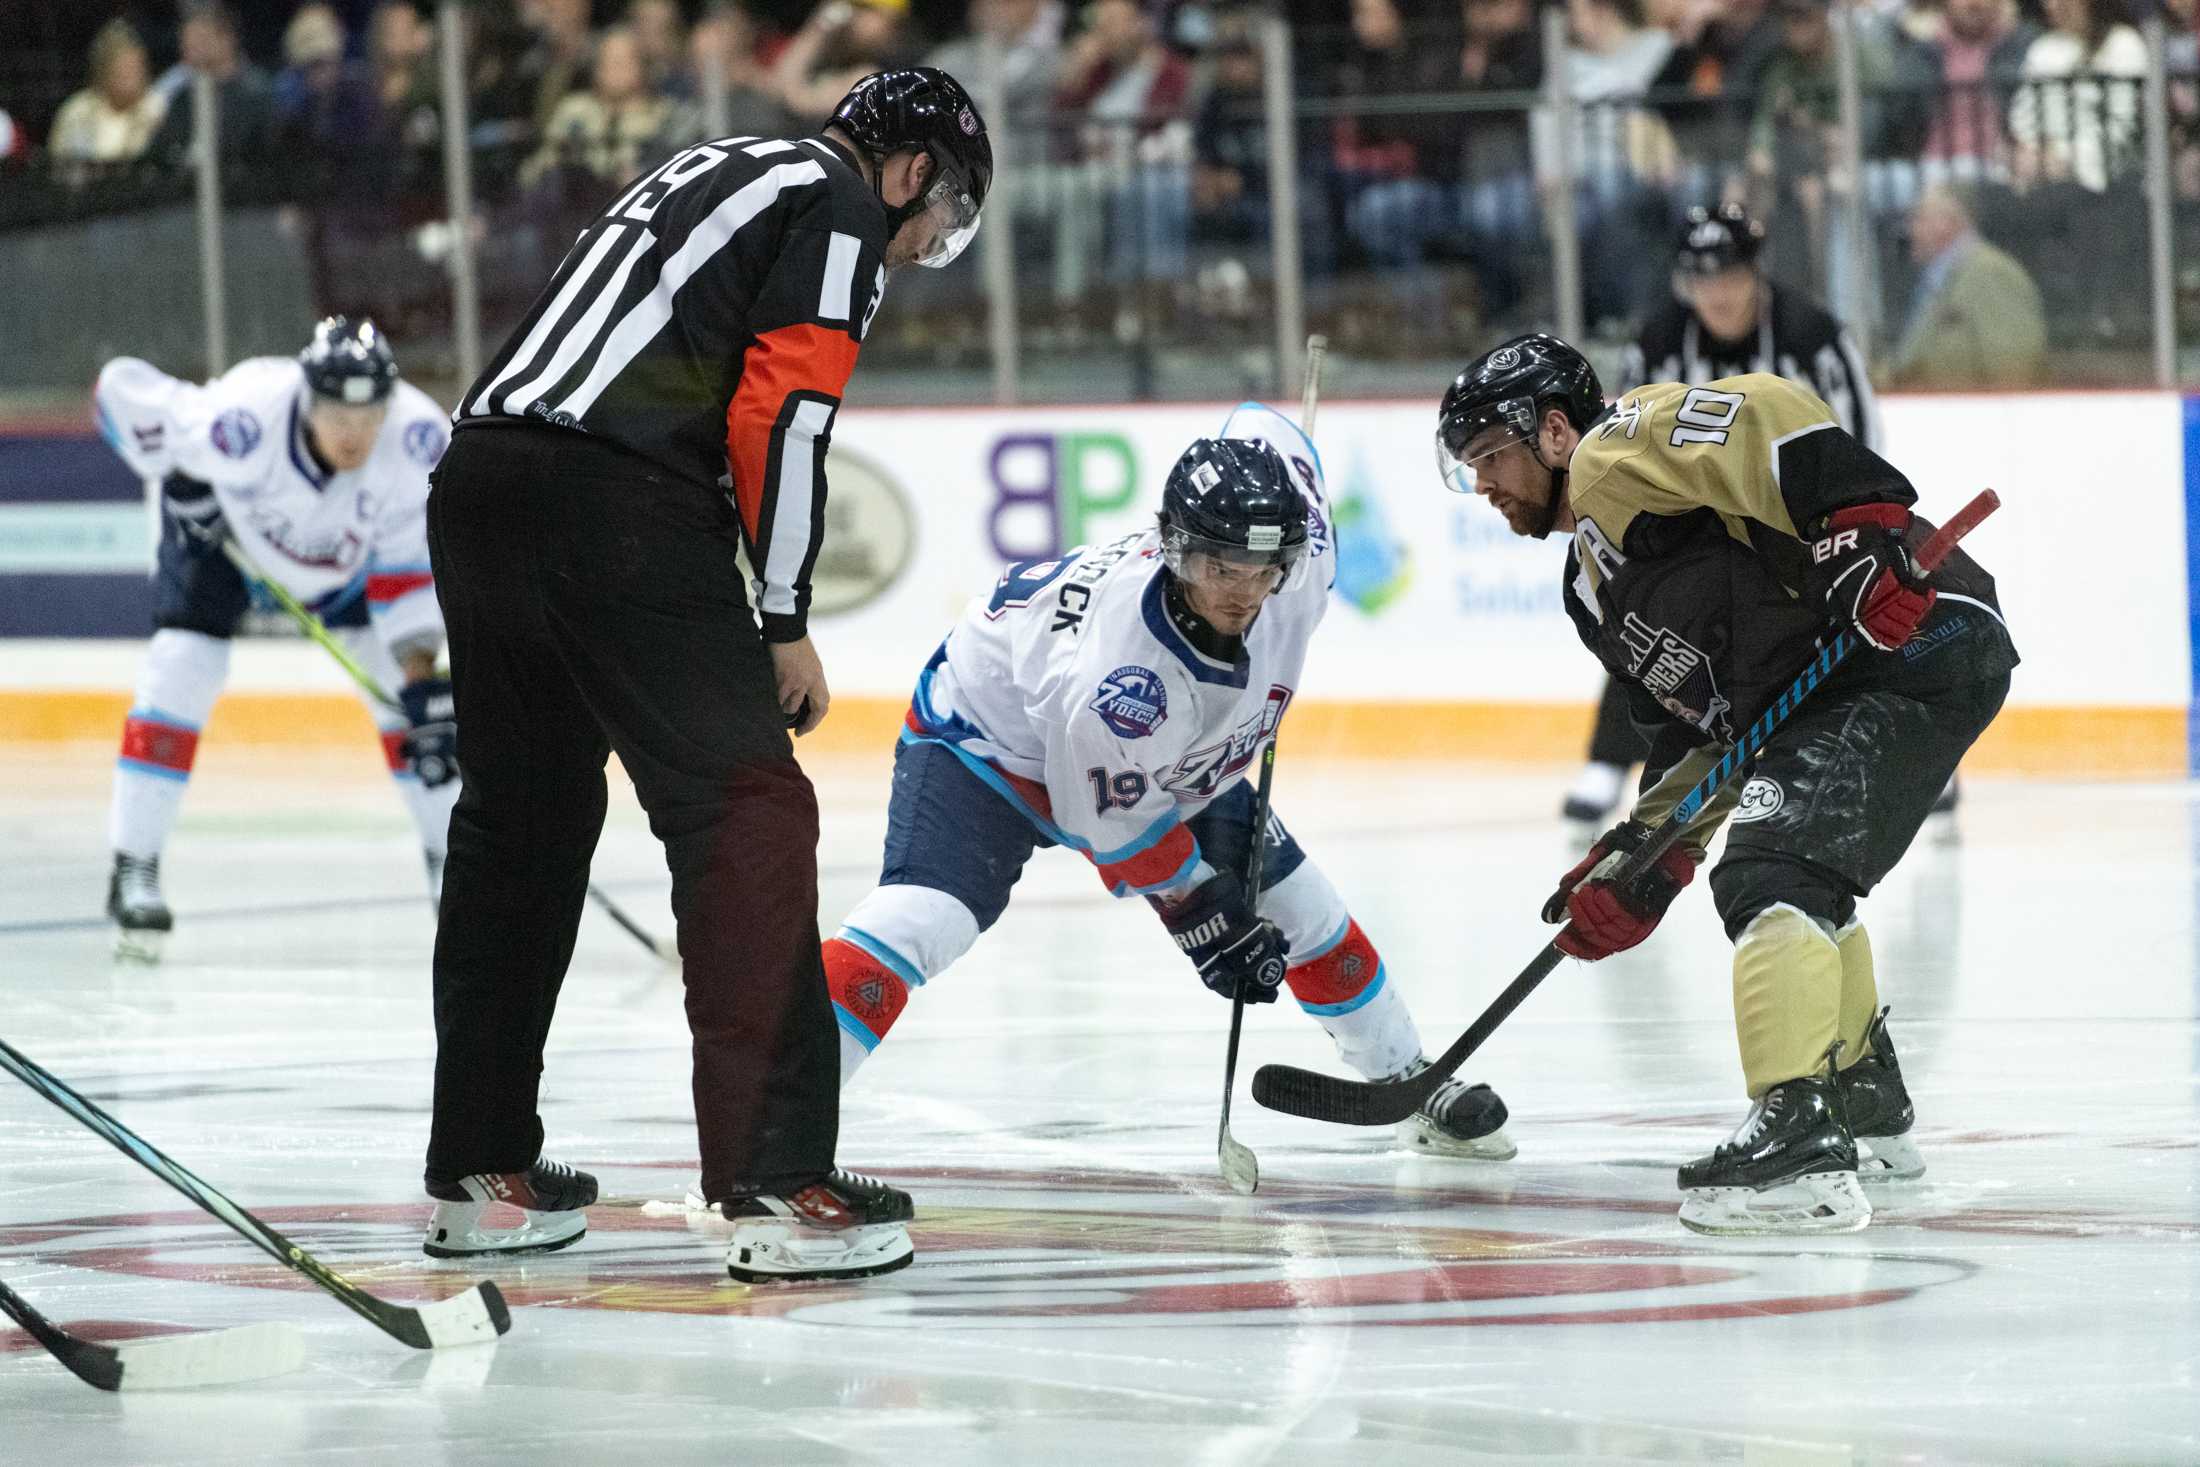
(326, 537)
(1071, 694)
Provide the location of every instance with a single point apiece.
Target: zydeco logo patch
(1132, 702)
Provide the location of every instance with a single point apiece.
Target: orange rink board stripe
(2073, 742)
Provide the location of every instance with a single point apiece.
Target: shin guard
(1787, 997)
(1859, 992)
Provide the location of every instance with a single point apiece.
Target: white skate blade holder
(1422, 1135)
(139, 945)
(455, 1231)
(1820, 1202)
(1883, 1159)
(780, 1248)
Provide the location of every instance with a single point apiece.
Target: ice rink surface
(1086, 1290)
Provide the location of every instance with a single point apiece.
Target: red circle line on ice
(1062, 1259)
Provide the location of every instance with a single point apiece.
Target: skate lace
(1756, 1123)
(140, 878)
(556, 1169)
(854, 1181)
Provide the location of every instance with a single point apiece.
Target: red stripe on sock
(383, 589)
(1339, 975)
(162, 744)
(870, 991)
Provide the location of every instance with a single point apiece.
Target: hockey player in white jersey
(318, 467)
(1111, 701)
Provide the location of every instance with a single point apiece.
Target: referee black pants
(593, 603)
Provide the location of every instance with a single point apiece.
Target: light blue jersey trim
(854, 1028)
(1334, 938)
(1357, 1001)
(1297, 428)
(139, 766)
(1145, 840)
(905, 970)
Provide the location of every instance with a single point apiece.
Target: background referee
(669, 398)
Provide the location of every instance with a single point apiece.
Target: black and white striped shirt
(708, 321)
(1795, 338)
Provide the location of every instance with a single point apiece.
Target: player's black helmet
(922, 108)
(349, 361)
(1716, 239)
(1509, 388)
(1232, 499)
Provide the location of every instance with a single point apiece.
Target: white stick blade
(462, 1319)
(217, 1357)
(1240, 1168)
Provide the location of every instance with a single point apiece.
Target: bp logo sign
(870, 535)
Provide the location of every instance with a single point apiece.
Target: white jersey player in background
(1111, 701)
(317, 466)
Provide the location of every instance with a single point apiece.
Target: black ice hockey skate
(1880, 1113)
(1457, 1119)
(550, 1194)
(1790, 1168)
(142, 919)
(841, 1226)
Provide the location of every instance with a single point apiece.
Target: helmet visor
(1197, 560)
(1466, 439)
(954, 213)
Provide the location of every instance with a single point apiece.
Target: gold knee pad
(1859, 991)
(1788, 997)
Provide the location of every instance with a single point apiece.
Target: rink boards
(1447, 639)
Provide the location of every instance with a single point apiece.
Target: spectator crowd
(1428, 164)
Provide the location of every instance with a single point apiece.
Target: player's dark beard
(1549, 521)
(1196, 629)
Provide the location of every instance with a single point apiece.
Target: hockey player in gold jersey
(1720, 533)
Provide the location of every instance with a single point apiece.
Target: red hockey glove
(1865, 574)
(1605, 916)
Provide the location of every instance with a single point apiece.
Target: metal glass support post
(458, 184)
(1285, 262)
(1558, 198)
(1860, 310)
(2161, 260)
(206, 159)
(716, 98)
(997, 241)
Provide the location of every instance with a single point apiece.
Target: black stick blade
(1318, 1097)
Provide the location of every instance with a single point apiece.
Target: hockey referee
(1725, 317)
(668, 401)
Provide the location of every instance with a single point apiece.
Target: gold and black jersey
(1688, 574)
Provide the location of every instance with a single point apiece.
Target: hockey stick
(319, 634)
(1321, 1097)
(213, 1357)
(1240, 1168)
(467, 1318)
(1317, 348)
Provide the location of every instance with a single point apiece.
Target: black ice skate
(841, 1226)
(1457, 1119)
(1790, 1168)
(550, 1194)
(142, 919)
(1880, 1113)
